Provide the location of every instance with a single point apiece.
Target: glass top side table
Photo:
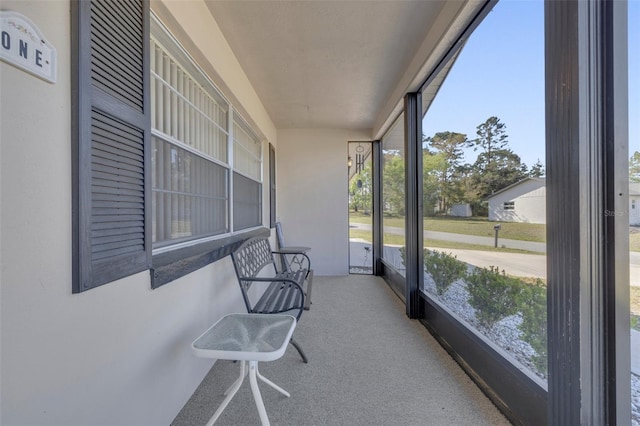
(247, 338)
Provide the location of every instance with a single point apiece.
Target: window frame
(233, 118)
(176, 260)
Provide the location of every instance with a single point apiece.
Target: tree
(537, 170)
(431, 166)
(496, 167)
(450, 147)
(492, 136)
(393, 183)
(505, 169)
(634, 167)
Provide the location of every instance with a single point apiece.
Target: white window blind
(191, 164)
(247, 151)
(247, 180)
(190, 171)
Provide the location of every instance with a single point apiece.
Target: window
(393, 198)
(247, 177)
(152, 144)
(189, 153)
(490, 310)
(194, 177)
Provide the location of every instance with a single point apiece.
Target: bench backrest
(251, 257)
(279, 235)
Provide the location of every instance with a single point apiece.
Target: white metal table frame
(248, 338)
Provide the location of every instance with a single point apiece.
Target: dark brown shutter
(111, 125)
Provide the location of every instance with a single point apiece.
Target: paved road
(525, 265)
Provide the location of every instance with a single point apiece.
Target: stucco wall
(118, 354)
(313, 194)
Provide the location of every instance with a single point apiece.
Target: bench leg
(307, 296)
(300, 351)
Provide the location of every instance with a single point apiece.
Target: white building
(634, 203)
(524, 201)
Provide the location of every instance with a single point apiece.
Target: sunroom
(169, 132)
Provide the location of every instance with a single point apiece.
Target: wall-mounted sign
(23, 45)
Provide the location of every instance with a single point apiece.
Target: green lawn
(634, 241)
(398, 240)
(469, 226)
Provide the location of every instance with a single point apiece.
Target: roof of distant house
(520, 182)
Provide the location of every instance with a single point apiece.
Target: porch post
(413, 204)
(377, 207)
(587, 195)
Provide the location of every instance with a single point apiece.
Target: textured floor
(369, 365)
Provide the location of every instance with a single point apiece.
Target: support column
(377, 208)
(587, 186)
(414, 260)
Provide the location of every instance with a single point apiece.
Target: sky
(500, 72)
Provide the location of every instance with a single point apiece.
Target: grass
(634, 241)
(634, 299)
(481, 226)
(398, 240)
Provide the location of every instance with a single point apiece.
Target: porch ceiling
(317, 64)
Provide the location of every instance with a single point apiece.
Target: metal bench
(274, 292)
(292, 258)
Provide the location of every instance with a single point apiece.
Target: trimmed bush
(493, 295)
(533, 305)
(444, 269)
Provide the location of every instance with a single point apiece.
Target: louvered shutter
(111, 125)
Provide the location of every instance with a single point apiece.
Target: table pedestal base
(254, 375)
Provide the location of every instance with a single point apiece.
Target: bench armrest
(298, 258)
(272, 279)
(276, 279)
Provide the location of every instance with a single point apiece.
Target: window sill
(169, 266)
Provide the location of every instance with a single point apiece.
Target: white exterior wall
(118, 354)
(313, 198)
(530, 203)
(460, 210)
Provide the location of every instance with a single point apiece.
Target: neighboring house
(634, 203)
(460, 210)
(524, 201)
